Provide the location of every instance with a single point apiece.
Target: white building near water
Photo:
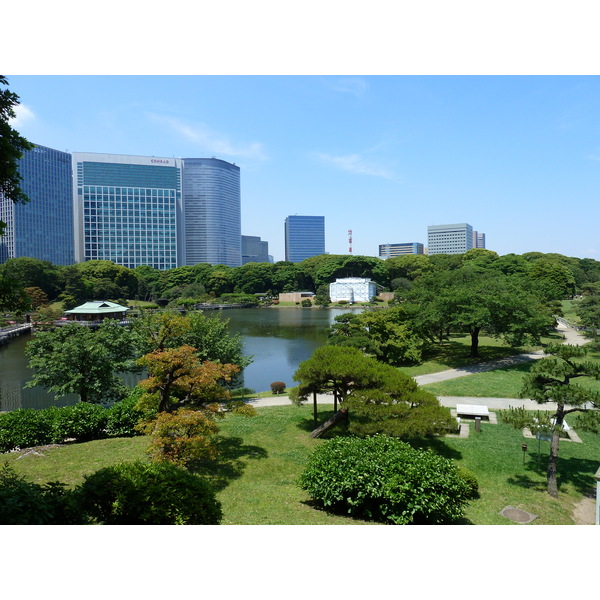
(352, 289)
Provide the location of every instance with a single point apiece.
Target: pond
(277, 339)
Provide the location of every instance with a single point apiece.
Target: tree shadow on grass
(435, 444)
(578, 472)
(230, 463)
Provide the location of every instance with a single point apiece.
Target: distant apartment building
(212, 212)
(304, 237)
(391, 250)
(455, 238)
(42, 228)
(128, 209)
(254, 249)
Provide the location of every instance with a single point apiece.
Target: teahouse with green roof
(96, 310)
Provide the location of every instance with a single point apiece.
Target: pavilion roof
(97, 307)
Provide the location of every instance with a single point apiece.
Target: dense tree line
(550, 276)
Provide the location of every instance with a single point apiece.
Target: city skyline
(383, 156)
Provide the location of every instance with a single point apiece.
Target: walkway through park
(570, 335)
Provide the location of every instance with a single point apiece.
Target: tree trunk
(475, 342)
(553, 458)
(315, 417)
(338, 417)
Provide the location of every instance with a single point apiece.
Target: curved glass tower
(212, 212)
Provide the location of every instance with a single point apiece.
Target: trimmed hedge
(383, 479)
(28, 427)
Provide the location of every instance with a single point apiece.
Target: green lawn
(263, 456)
(454, 354)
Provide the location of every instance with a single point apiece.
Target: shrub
(383, 479)
(472, 484)
(26, 503)
(306, 303)
(278, 387)
(83, 422)
(182, 437)
(25, 428)
(139, 493)
(122, 418)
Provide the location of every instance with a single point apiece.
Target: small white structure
(352, 289)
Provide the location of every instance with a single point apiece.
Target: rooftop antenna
(350, 241)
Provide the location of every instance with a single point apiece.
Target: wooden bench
(472, 410)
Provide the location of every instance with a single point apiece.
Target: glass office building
(42, 228)
(127, 209)
(212, 209)
(304, 237)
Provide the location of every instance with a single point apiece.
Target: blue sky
(517, 157)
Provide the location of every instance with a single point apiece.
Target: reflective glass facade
(42, 228)
(304, 237)
(212, 212)
(127, 210)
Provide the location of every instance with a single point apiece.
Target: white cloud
(348, 85)
(354, 163)
(210, 141)
(22, 115)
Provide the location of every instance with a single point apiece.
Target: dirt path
(584, 512)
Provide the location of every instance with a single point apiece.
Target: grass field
(263, 456)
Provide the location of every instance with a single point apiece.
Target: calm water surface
(278, 340)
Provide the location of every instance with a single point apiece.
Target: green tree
(465, 301)
(555, 279)
(12, 147)
(75, 359)
(13, 297)
(408, 266)
(209, 335)
(387, 334)
(551, 380)
(33, 272)
(588, 311)
(177, 377)
(380, 397)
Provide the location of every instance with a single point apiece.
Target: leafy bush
(306, 303)
(182, 437)
(24, 428)
(83, 422)
(26, 503)
(122, 418)
(383, 479)
(139, 493)
(278, 387)
(469, 478)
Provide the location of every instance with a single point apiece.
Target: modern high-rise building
(212, 209)
(304, 237)
(42, 228)
(391, 250)
(449, 239)
(254, 249)
(132, 210)
(127, 209)
(478, 239)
